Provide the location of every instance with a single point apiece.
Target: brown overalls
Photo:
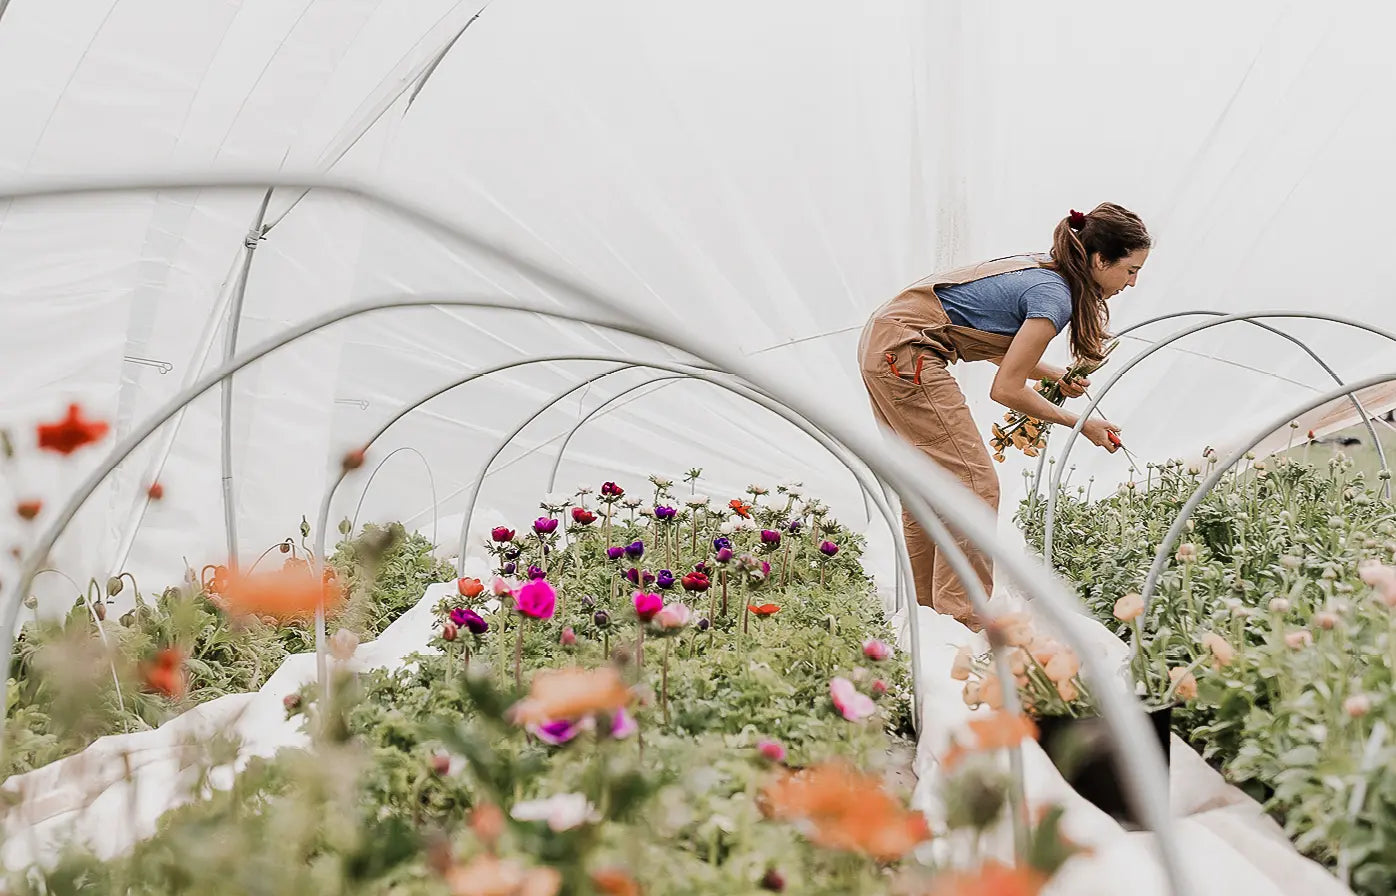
(904, 354)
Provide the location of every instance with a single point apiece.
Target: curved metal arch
(1307, 349)
(1303, 346)
(1210, 481)
(927, 490)
(557, 461)
(1055, 483)
(431, 480)
(678, 370)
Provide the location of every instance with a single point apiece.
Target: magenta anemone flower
(647, 605)
(696, 581)
(663, 512)
(770, 537)
(615, 553)
(502, 533)
(828, 548)
(545, 525)
(537, 599)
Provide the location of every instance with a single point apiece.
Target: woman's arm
(1022, 361)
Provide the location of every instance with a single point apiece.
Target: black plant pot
(1080, 749)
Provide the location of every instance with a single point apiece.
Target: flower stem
(518, 657)
(664, 681)
(785, 564)
(640, 648)
(724, 592)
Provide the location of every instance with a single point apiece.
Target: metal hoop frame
(431, 480)
(927, 491)
(1056, 474)
(601, 408)
(1210, 481)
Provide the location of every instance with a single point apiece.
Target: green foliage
(1293, 717)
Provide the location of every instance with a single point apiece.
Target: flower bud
(1357, 706)
(1279, 605)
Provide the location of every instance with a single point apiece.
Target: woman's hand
(1099, 432)
(1076, 388)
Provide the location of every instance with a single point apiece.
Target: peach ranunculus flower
(1063, 667)
(489, 876)
(570, 693)
(1382, 579)
(1222, 652)
(962, 665)
(1298, 640)
(1129, 608)
(842, 808)
(1184, 684)
(1010, 629)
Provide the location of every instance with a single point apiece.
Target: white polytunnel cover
(766, 172)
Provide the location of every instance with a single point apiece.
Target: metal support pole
(230, 347)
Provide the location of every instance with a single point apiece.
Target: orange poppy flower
(70, 433)
(165, 674)
(847, 810)
(614, 882)
(469, 588)
(740, 507)
(288, 593)
(27, 510)
(558, 694)
(763, 609)
(992, 879)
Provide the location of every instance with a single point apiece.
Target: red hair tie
(1075, 220)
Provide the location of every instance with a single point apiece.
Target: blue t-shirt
(1000, 304)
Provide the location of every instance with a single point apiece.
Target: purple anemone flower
(722, 543)
(828, 549)
(469, 620)
(557, 733)
(615, 553)
(665, 579)
(663, 512)
(635, 550)
(536, 572)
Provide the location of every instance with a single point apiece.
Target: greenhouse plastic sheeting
(770, 172)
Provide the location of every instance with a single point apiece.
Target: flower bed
(1274, 631)
(693, 699)
(185, 648)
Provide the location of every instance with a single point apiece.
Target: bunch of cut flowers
(1029, 434)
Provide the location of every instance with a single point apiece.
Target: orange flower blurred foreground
(289, 593)
(992, 879)
(840, 808)
(614, 882)
(165, 673)
(70, 433)
(999, 731)
(488, 876)
(559, 694)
